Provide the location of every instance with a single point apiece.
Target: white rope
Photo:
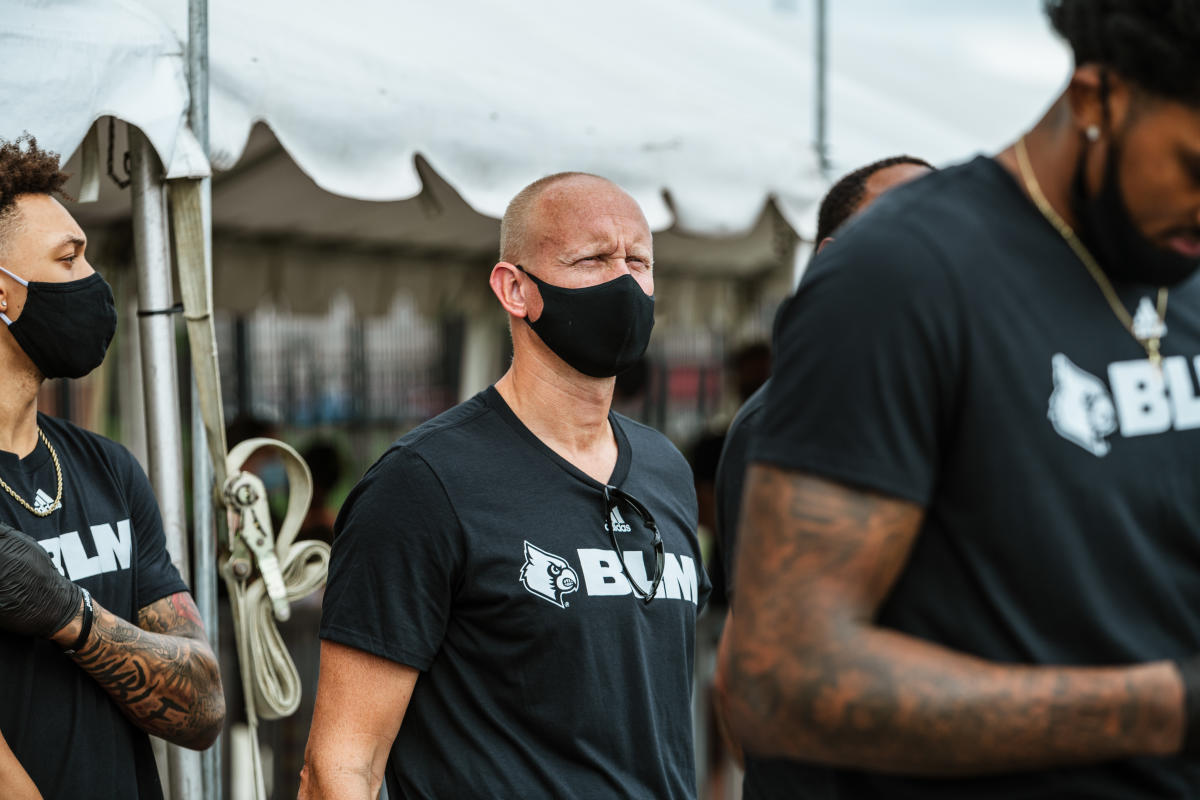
(287, 571)
(263, 572)
(276, 687)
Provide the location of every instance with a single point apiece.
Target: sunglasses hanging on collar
(613, 497)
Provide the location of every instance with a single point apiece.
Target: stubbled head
(858, 189)
(571, 230)
(515, 224)
(578, 226)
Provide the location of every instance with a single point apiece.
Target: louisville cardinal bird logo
(1081, 409)
(547, 575)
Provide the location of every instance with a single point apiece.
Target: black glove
(35, 599)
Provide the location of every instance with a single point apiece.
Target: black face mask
(599, 330)
(1108, 231)
(65, 328)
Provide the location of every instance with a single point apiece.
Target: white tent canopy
(395, 133)
(69, 63)
(662, 96)
(659, 95)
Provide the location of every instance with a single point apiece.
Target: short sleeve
(397, 559)
(731, 479)
(157, 577)
(867, 359)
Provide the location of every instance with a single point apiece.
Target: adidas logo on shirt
(618, 522)
(43, 503)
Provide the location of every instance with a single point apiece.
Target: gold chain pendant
(1152, 353)
(57, 504)
(1150, 344)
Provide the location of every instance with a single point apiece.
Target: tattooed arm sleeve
(811, 677)
(161, 673)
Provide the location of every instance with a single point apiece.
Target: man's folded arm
(361, 701)
(161, 673)
(810, 676)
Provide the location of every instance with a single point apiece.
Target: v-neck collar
(496, 402)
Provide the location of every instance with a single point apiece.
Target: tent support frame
(163, 431)
(205, 528)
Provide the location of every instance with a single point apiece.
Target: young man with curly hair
(969, 557)
(100, 641)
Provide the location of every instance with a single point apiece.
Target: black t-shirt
(951, 350)
(474, 553)
(731, 478)
(107, 537)
(763, 777)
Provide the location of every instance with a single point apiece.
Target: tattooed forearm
(811, 677)
(162, 675)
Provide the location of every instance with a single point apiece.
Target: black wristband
(86, 630)
(1189, 671)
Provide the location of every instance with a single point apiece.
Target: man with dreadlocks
(100, 642)
(970, 554)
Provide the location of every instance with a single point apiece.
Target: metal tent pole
(204, 584)
(163, 434)
(822, 88)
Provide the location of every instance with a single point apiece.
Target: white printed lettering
(602, 572)
(679, 578)
(113, 548)
(635, 562)
(54, 548)
(77, 562)
(114, 551)
(1184, 402)
(1140, 396)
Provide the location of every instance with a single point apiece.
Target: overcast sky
(979, 71)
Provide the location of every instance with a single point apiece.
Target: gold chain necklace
(57, 471)
(1149, 343)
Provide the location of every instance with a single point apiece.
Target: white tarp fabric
(703, 110)
(691, 114)
(707, 102)
(70, 62)
(659, 95)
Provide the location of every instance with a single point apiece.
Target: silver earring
(1092, 133)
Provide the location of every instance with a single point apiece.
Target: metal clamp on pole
(263, 572)
(288, 570)
(246, 496)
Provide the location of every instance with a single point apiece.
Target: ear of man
(509, 288)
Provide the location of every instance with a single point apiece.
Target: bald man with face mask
(514, 585)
